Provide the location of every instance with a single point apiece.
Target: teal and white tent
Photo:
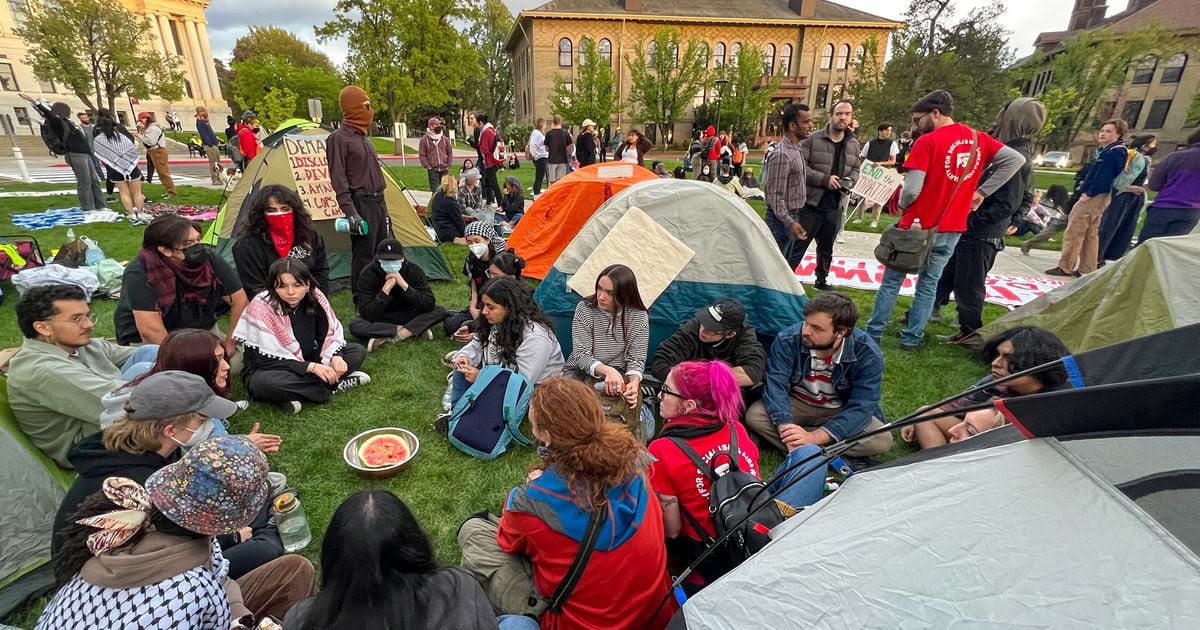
(689, 243)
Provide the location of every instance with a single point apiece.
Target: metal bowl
(350, 452)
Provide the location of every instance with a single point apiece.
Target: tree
(490, 87)
(272, 40)
(254, 78)
(744, 102)
(99, 51)
(593, 94)
(276, 106)
(663, 83)
(225, 78)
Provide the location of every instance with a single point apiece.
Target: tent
(562, 210)
(31, 486)
(734, 256)
(272, 166)
(1080, 514)
(1149, 290)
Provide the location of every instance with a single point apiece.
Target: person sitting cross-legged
(394, 300)
(718, 332)
(57, 379)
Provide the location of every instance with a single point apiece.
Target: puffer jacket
(818, 151)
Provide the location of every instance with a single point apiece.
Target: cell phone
(845, 190)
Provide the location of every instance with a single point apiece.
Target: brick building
(811, 42)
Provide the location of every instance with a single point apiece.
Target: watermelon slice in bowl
(382, 452)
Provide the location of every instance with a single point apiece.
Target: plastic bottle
(70, 234)
(291, 521)
(448, 398)
(916, 226)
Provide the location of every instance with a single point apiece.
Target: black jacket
(512, 206)
(446, 216)
(397, 306)
(71, 134)
(253, 256)
(742, 351)
(585, 148)
(996, 212)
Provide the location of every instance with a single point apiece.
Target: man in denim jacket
(824, 382)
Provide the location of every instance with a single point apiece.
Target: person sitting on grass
(727, 180)
(512, 332)
(446, 214)
(379, 570)
(701, 404)
(277, 226)
(660, 169)
(393, 299)
(467, 165)
(512, 203)
(295, 349)
(470, 198)
(167, 414)
(483, 244)
(718, 332)
(134, 553)
(1056, 200)
(1012, 351)
(56, 381)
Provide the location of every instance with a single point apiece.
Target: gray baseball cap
(174, 393)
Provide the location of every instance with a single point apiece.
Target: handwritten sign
(876, 183)
(310, 170)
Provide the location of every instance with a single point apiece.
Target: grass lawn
(444, 485)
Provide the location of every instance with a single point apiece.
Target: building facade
(179, 31)
(1160, 93)
(812, 43)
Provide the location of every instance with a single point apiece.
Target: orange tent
(562, 210)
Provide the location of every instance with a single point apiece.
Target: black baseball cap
(722, 316)
(389, 249)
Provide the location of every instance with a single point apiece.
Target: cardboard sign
(638, 242)
(310, 170)
(615, 171)
(876, 183)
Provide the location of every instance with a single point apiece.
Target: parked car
(1057, 159)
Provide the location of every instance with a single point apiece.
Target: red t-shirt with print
(943, 155)
(675, 474)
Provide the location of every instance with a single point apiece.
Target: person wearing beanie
(394, 300)
(966, 273)
(75, 149)
(357, 178)
(943, 183)
(435, 152)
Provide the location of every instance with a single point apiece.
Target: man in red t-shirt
(941, 187)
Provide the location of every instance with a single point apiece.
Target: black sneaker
(967, 339)
(821, 285)
(442, 423)
(352, 380)
(859, 464)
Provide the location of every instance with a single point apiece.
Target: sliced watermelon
(382, 450)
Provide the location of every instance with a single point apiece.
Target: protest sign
(310, 170)
(876, 183)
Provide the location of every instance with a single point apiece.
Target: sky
(230, 19)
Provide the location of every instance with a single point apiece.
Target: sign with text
(876, 183)
(310, 170)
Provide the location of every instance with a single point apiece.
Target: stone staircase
(33, 147)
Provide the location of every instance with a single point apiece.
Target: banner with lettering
(876, 183)
(310, 170)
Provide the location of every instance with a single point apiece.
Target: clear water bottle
(916, 226)
(291, 521)
(70, 234)
(448, 397)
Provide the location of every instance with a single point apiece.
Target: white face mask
(198, 435)
(479, 249)
(391, 266)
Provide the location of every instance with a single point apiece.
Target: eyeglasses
(78, 320)
(188, 243)
(666, 391)
(917, 119)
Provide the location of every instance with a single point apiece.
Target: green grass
(444, 485)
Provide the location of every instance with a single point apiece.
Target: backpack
(488, 416)
(234, 149)
(731, 496)
(53, 139)
(1135, 163)
(498, 148)
(710, 144)
(736, 154)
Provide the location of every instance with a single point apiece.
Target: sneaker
(821, 285)
(856, 221)
(841, 239)
(379, 342)
(1057, 271)
(442, 423)
(446, 359)
(936, 316)
(1025, 247)
(352, 380)
(905, 347)
(874, 224)
(428, 334)
(242, 405)
(291, 407)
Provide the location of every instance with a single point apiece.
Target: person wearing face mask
(394, 300)
(162, 416)
(435, 152)
(484, 244)
(1128, 196)
(277, 226)
(247, 137)
(175, 282)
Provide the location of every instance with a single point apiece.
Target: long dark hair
(190, 350)
(509, 262)
(522, 311)
(1032, 346)
(301, 273)
(256, 221)
(625, 293)
(108, 126)
(1057, 195)
(375, 560)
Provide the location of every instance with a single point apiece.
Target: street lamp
(721, 83)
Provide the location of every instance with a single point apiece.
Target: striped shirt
(599, 338)
(783, 183)
(817, 388)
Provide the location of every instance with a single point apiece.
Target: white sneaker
(379, 342)
(874, 224)
(428, 334)
(841, 240)
(352, 380)
(242, 404)
(856, 221)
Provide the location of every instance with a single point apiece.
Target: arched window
(858, 54)
(1144, 72)
(605, 50)
(674, 48)
(769, 59)
(702, 49)
(843, 56)
(719, 55)
(650, 54)
(734, 51)
(564, 53)
(582, 48)
(827, 56)
(785, 60)
(1173, 71)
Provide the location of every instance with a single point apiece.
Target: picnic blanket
(195, 213)
(64, 216)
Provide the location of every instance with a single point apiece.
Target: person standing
(492, 149)
(585, 144)
(435, 152)
(357, 178)
(1081, 242)
(208, 139)
(882, 151)
(710, 151)
(155, 141)
(558, 148)
(539, 155)
(89, 134)
(247, 137)
(941, 187)
(1176, 209)
(784, 179)
(117, 150)
(831, 165)
(634, 150)
(604, 139)
(473, 138)
(1128, 197)
(76, 149)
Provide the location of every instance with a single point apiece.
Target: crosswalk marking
(53, 175)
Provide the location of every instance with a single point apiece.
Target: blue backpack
(488, 416)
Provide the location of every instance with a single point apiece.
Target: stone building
(813, 43)
(1160, 92)
(179, 30)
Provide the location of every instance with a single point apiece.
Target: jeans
(517, 622)
(783, 238)
(435, 178)
(87, 181)
(1168, 222)
(142, 360)
(539, 174)
(459, 386)
(922, 305)
(810, 487)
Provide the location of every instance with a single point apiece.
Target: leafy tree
(225, 77)
(663, 82)
(262, 41)
(276, 106)
(99, 51)
(744, 102)
(490, 87)
(254, 78)
(593, 94)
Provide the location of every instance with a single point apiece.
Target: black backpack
(731, 496)
(54, 141)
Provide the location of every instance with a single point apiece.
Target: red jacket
(247, 141)
(487, 146)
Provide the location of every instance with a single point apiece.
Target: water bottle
(916, 226)
(289, 518)
(70, 234)
(601, 387)
(343, 225)
(448, 397)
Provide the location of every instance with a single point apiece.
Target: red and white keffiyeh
(269, 330)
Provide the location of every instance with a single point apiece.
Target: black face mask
(195, 254)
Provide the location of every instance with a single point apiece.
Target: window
(859, 53)
(175, 37)
(569, 86)
(1144, 72)
(564, 53)
(123, 118)
(22, 116)
(827, 56)
(1107, 112)
(785, 59)
(1131, 113)
(187, 88)
(734, 51)
(20, 12)
(698, 99)
(719, 55)
(650, 54)
(702, 49)
(47, 87)
(582, 41)
(8, 80)
(843, 56)
(769, 59)
(822, 96)
(605, 50)
(674, 50)
(1158, 114)
(1173, 71)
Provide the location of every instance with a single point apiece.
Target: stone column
(196, 61)
(164, 32)
(209, 67)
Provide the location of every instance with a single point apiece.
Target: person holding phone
(831, 163)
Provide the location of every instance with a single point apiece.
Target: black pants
(491, 187)
(539, 174)
(435, 179)
(386, 329)
(379, 227)
(822, 226)
(261, 547)
(285, 385)
(149, 170)
(966, 275)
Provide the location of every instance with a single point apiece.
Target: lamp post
(721, 83)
